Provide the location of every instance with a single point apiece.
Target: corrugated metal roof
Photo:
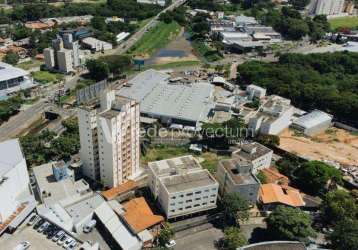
(10, 155)
(7, 72)
(312, 119)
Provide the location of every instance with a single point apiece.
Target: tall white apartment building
(109, 135)
(118, 137)
(181, 186)
(64, 59)
(327, 7)
(16, 199)
(256, 154)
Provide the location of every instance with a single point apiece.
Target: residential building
(63, 56)
(273, 116)
(272, 175)
(13, 79)
(272, 195)
(118, 139)
(181, 186)
(255, 153)
(312, 123)
(109, 136)
(65, 62)
(245, 21)
(327, 7)
(16, 200)
(234, 176)
(96, 45)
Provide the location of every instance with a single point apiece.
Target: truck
(89, 226)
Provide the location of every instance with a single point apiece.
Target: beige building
(109, 135)
(64, 60)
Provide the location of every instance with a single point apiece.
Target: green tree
(287, 223)
(299, 4)
(262, 177)
(345, 235)
(338, 205)
(98, 22)
(233, 239)
(269, 140)
(236, 208)
(97, 70)
(11, 58)
(313, 176)
(165, 234)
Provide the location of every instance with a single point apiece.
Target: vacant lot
(347, 22)
(46, 77)
(207, 160)
(156, 38)
(333, 145)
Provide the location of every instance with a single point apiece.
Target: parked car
(62, 240)
(33, 218)
(58, 235)
(68, 242)
(72, 245)
(23, 245)
(38, 224)
(43, 227)
(89, 226)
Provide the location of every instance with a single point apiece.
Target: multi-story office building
(255, 153)
(234, 175)
(327, 7)
(181, 186)
(109, 135)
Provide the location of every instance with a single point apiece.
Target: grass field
(347, 22)
(172, 65)
(30, 64)
(156, 38)
(46, 77)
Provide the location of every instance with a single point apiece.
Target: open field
(333, 145)
(347, 22)
(155, 38)
(46, 77)
(207, 160)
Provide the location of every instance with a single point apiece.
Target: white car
(23, 245)
(33, 219)
(170, 244)
(58, 236)
(43, 227)
(62, 240)
(68, 242)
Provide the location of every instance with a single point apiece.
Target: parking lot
(27, 233)
(37, 240)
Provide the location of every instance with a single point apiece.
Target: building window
(187, 207)
(198, 192)
(189, 194)
(197, 198)
(172, 211)
(173, 197)
(213, 195)
(196, 205)
(172, 204)
(189, 200)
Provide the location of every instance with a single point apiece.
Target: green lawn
(30, 64)
(46, 77)
(347, 22)
(156, 38)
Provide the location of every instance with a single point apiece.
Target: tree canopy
(326, 81)
(338, 205)
(233, 239)
(345, 235)
(287, 223)
(235, 208)
(313, 176)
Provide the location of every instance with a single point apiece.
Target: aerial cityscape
(179, 124)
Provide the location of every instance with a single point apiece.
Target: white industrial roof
(91, 41)
(8, 72)
(158, 97)
(125, 239)
(245, 20)
(312, 119)
(10, 155)
(234, 35)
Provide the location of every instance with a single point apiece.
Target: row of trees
(101, 68)
(326, 81)
(122, 8)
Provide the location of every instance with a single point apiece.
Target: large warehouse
(313, 122)
(173, 101)
(13, 79)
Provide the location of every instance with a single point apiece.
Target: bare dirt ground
(333, 145)
(180, 44)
